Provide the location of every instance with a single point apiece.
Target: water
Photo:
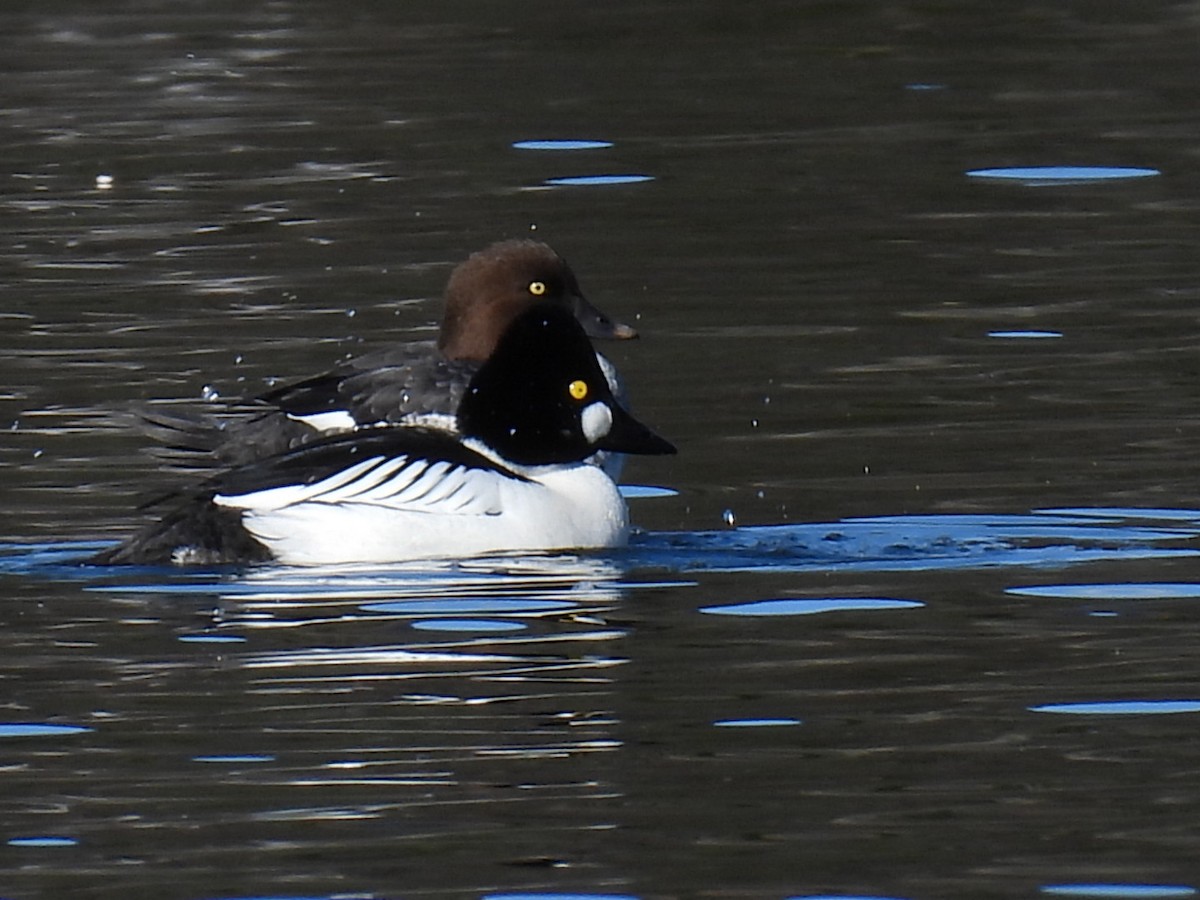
(916, 616)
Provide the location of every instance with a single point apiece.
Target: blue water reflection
(1025, 335)
(808, 607)
(645, 491)
(495, 606)
(1121, 708)
(39, 729)
(562, 145)
(884, 543)
(482, 626)
(60, 558)
(597, 180)
(212, 639)
(916, 543)
(1161, 514)
(1101, 591)
(1101, 889)
(42, 841)
(1062, 174)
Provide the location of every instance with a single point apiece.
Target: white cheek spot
(597, 420)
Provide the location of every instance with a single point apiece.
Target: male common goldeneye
(512, 477)
(417, 383)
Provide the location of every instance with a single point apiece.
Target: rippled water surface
(915, 613)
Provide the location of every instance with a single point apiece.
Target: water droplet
(729, 518)
(104, 182)
(209, 393)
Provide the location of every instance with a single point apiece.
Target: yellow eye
(578, 389)
(537, 288)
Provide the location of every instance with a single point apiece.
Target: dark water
(946, 648)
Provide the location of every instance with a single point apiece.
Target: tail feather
(194, 532)
(199, 441)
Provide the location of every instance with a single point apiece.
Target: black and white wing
(388, 386)
(407, 384)
(404, 469)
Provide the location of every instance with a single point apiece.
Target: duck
(511, 477)
(414, 383)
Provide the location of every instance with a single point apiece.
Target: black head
(541, 397)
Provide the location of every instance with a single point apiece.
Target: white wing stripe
(290, 494)
(368, 483)
(339, 480)
(419, 489)
(394, 479)
(398, 483)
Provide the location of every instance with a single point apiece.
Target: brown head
(492, 287)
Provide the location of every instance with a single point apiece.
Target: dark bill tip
(597, 325)
(628, 435)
